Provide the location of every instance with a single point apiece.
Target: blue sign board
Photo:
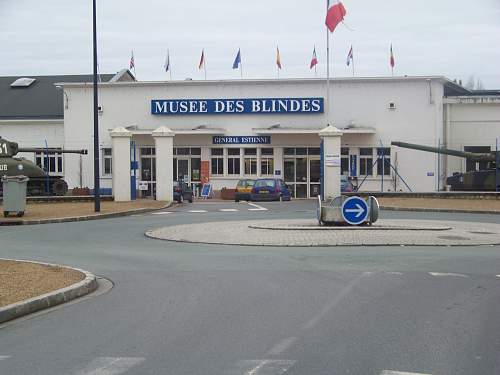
(241, 140)
(355, 210)
(206, 190)
(237, 106)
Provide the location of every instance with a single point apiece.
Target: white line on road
(344, 292)
(262, 367)
(2, 357)
(439, 274)
(162, 213)
(281, 346)
(228, 210)
(498, 275)
(390, 372)
(197, 211)
(257, 207)
(395, 273)
(110, 365)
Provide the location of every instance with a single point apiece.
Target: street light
(97, 197)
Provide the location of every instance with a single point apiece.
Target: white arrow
(359, 210)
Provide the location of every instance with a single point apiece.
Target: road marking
(162, 213)
(257, 207)
(262, 367)
(281, 346)
(439, 274)
(390, 372)
(2, 357)
(110, 365)
(344, 292)
(498, 275)
(228, 210)
(395, 273)
(197, 211)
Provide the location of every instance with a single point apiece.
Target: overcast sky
(455, 38)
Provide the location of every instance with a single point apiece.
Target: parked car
(243, 190)
(272, 189)
(346, 186)
(182, 192)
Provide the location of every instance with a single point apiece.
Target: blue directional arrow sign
(355, 210)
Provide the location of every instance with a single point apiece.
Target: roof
(42, 99)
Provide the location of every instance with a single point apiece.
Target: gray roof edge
(441, 79)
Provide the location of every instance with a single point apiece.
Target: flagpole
(352, 60)
(205, 65)
(241, 63)
(169, 64)
(327, 69)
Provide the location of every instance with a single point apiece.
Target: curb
(444, 210)
(54, 298)
(83, 218)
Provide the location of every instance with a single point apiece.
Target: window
(250, 161)
(233, 161)
(366, 161)
(344, 160)
(384, 154)
(267, 161)
(54, 164)
(217, 161)
(107, 161)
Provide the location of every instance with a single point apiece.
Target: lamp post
(97, 197)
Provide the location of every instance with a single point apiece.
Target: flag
(167, 62)
(350, 56)
(237, 60)
(202, 59)
(314, 60)
(132, 63)
(278, 58)
(334, 16)
(392, 58)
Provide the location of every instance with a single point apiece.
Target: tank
(482, 180)
(14, 166)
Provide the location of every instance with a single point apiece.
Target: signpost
(206, 190)
(355, 210)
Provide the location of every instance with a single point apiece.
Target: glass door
(314, 178)
(301, 177)
(289, 174)
(148, 172)
(183, 170)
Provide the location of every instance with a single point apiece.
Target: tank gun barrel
(478, 157)
(52, 150)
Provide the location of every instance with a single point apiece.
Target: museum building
(226, 130)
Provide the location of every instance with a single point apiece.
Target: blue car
(270, 189)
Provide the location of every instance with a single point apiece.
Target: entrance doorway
(148, 171)
(302, 172)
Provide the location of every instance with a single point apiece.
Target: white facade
(370, 112)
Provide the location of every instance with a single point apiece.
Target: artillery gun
(482, 180)
(38, 178)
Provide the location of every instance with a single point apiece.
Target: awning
(291, 130)
(200, 130)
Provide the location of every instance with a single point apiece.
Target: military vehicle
(482, 180)
(38, 178)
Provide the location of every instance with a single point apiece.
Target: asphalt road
(203, 309)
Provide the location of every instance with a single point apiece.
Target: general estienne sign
(237, 106)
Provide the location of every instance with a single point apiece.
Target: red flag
(314, 60)
(132, 62)
(334, 16)
(392, 58)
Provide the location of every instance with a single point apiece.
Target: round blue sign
(355, 210)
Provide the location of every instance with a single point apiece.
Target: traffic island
(57, 212)
(27, 287)
(304, 233)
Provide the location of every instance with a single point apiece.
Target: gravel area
(241, 233)
(23, 280)
(54, 210)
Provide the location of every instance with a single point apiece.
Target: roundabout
(306, 233)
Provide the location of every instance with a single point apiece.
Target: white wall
(360, 102)
(472, 124)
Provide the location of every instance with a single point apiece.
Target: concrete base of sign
(304, 233)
